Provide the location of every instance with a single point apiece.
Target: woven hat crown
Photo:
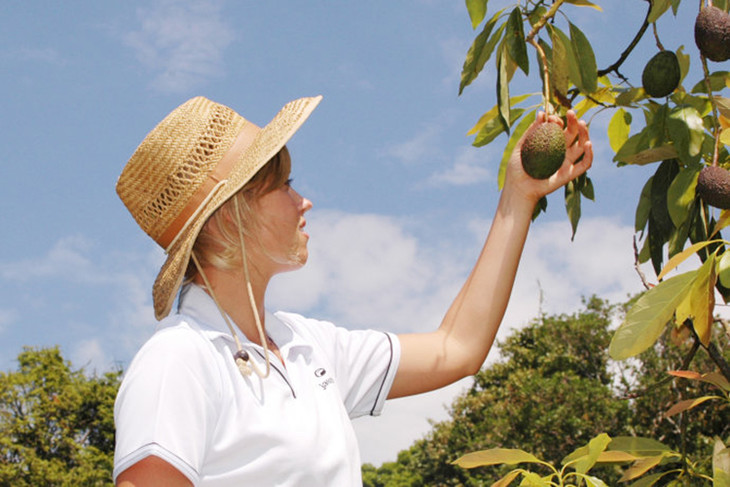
(174, 160)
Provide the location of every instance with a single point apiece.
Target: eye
(289, 182)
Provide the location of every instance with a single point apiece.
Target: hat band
(215, 178)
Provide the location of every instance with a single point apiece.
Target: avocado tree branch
(715, 355)
(624, 55)
(543, 20)
(665, 380)
(715, 114)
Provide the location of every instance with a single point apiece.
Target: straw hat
(194, 160)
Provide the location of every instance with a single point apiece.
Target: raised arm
(460, 345)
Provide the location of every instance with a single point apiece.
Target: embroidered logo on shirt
(327, 383)
(319, 372)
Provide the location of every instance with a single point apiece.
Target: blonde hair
(221, 249)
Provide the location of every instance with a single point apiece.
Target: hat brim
(267, 142)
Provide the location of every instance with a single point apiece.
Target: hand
(577, 141)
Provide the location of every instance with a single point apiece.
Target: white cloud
(7, 317)
(421, 146)
(66, 258)
(90, 355)
(469, 168)
(181, 41)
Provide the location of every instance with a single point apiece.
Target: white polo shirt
(184, 400)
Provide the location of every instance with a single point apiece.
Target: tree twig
(685, 364)
(624, 55)
(715, 115)
(637, 266)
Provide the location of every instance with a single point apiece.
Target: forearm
(472, 321)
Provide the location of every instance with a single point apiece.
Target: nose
(304, 203)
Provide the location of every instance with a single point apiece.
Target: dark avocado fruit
(543, 151)
(661, 74)
(712, 33)
(713, 186)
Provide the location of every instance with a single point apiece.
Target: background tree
(551, 391)
(56, 424)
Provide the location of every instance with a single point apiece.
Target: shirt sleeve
(365, 362)
(166, 403)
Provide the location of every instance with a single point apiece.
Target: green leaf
(561, 41)
(660, 223)
(686, 131)
(688, 404)
(586, 456)
(593, 481)
(702, 300)
(720, 464)
(585, 58)
(587, 189)
(619, 128)
(477, 10)
(723, 269)
(503, 77)
(638, 446)
(507, 479)
(684, 255)
(572, 205)
(558, 67)
(640, 467)
(495, 127)
(496, 456)
(515, 38)
(684, 62)
(644, 207)
(479, 52)
(658, 7)
(681, 194)
(584, 3)
(646, 320)
(493, 112)
(514, 138)
(650, 480)
(718, 81)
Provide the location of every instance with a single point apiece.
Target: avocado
(543, 151)
(713, 186)
(712, 33)
(661, 74)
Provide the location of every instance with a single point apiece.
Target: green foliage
(56, 424)
(551, 392)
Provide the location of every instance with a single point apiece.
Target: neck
(230, 290)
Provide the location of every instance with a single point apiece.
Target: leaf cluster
(56, 424)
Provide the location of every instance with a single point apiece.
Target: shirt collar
(200, 306)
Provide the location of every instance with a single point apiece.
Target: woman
(227, 393)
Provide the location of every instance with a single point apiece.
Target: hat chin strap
(241, 357)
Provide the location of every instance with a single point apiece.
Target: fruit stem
(656, 37)
(543, 59)
(715, 115)
(545, 74)
(543, 20)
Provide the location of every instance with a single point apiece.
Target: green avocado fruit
(713, 186)
(543, 151)
(712, 34)
(661, 74)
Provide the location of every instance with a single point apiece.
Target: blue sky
(402, 201)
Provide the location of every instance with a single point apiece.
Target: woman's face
(280, 229)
